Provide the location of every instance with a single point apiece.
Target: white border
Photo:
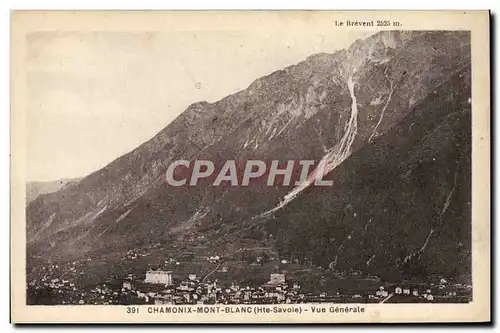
(7, 5)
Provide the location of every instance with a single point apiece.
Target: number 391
(132, 309)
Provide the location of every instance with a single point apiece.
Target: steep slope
(339, 108)
(400, 207)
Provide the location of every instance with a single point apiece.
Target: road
(387, 298)
(215, 269)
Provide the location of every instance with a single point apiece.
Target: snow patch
(124, 215)
(368, 262)
(376, 101)
(333, 157)
(199, 214)
(446, 204)
(374, 132)
(272, 134)
(99, 212)
(284, 127)
(49, 221)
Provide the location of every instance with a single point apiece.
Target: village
(158, 286)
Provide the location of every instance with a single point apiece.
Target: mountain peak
(365, 111)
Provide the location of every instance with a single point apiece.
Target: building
(214, 259)
(159, 277)
(127, 285)
(277, 279)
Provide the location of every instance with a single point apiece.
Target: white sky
(95, 96)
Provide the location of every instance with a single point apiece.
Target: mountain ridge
(303, 111)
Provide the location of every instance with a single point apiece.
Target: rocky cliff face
(390, 117)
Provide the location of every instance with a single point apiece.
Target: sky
(94, 96)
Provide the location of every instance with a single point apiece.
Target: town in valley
(268, 281)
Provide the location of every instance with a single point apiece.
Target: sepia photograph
(321, 166)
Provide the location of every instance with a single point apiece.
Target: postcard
(250, 166)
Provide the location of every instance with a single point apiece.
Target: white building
(159, 277)
(277, 279)
(213, 259)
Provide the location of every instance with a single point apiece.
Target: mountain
(389, 116)
(35, 189)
